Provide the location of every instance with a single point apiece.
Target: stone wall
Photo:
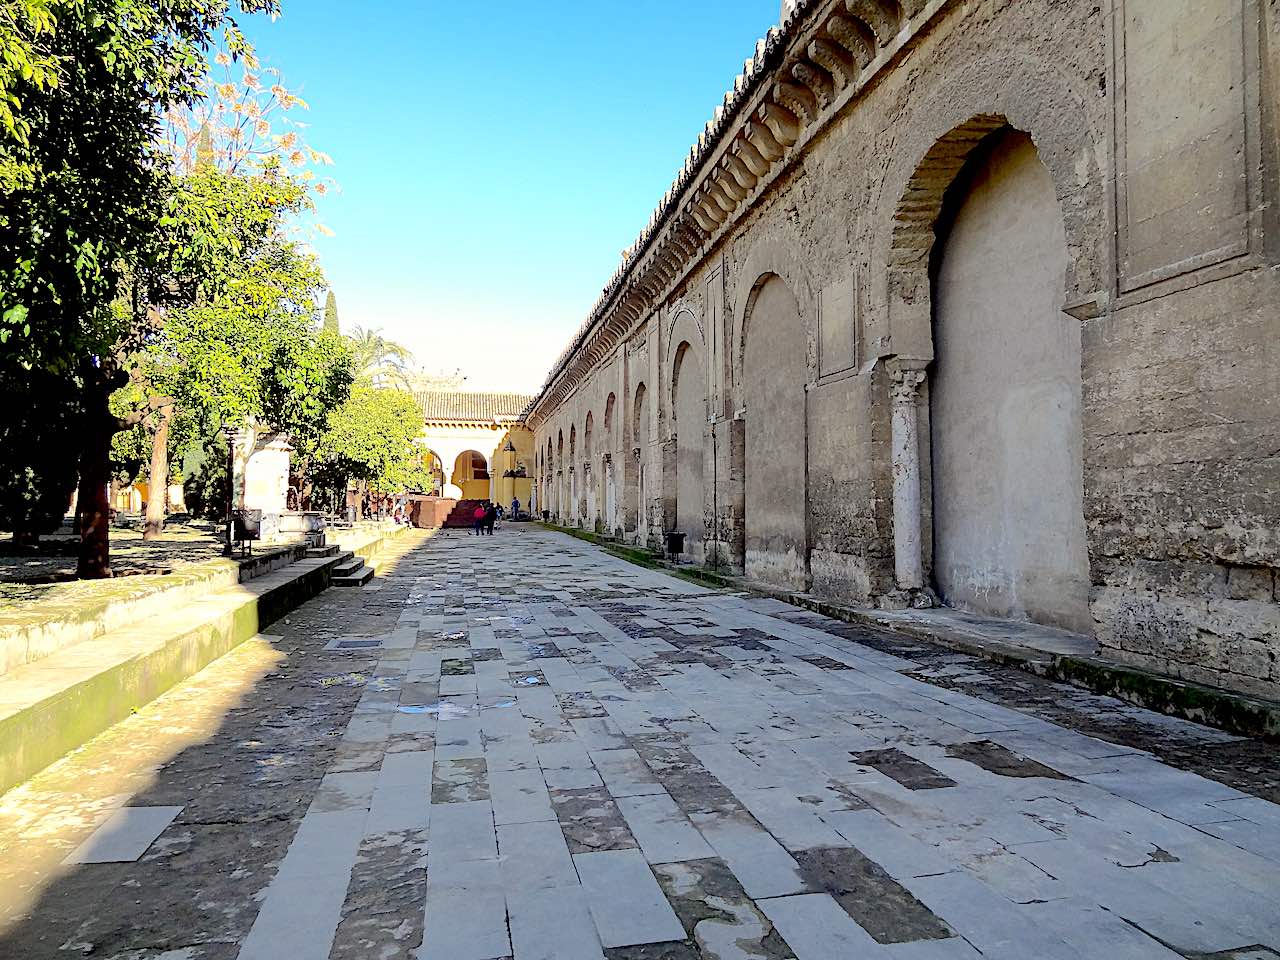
(840, 156)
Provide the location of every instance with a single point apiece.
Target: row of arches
(983, 395)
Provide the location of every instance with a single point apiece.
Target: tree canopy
(83, 84)
(371, 440)
(243, 349)
(154, 185)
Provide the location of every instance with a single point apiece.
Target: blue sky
(495, 159)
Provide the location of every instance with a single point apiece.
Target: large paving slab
(520, 747)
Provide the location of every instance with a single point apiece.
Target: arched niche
(689, 428)
(774, 454)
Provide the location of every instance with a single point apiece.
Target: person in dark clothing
(490, 518)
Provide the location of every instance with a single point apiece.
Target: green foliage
(38, 449)
(84, 82)
(130, 448)
(205, 467)
(371, 439)
(252, 305)
(25, 26)
(331, 324)
(245, 347)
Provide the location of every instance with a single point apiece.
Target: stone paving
(521, 747)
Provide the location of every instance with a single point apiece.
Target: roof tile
(454, 406)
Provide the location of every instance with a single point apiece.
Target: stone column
(906, 376)
(642, 531)
(571, 503)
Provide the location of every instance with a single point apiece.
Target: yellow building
(479, 447)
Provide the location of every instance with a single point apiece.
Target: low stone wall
(145, 663)
(32, 631)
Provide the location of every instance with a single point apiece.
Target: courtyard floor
(521, 747)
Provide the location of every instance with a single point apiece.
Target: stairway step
(318, 553)
(344, 568)
(357, 579)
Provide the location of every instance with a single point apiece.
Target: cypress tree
(331, 313)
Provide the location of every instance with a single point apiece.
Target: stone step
(357, 579)
(56, 704)
(348, 566)
(316, 553)
(30, 632)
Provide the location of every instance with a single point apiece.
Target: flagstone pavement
(522, 747)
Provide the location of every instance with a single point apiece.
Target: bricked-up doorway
(559, 509)
(774, 371)
(637, 460)
(591, 504)
(689, 405)
(608, 496)
(1005, 408)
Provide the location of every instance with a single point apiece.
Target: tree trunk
(158, 501)
(360, 488)
(93, 509)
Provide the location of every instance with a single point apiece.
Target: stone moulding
(803, 74)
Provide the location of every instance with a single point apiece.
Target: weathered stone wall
(1154, 121)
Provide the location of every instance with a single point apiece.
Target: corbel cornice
(804, 73)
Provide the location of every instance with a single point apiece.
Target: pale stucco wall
(690, 410)
(775, 468)
(1008, 516)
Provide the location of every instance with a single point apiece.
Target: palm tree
(380, 361)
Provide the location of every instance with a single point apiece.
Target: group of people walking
(487, 514)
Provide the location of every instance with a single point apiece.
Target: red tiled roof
(455, 406)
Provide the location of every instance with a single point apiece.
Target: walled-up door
(691, 416)
(775, 471)
(640, 433)
(1009, 536)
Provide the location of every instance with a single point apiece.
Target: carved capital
(905, 378)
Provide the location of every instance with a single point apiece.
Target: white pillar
(906, 376)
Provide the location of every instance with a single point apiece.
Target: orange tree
(83, 85)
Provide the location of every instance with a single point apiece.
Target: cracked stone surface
(533, 700)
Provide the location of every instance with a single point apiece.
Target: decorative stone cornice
(803, 73)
